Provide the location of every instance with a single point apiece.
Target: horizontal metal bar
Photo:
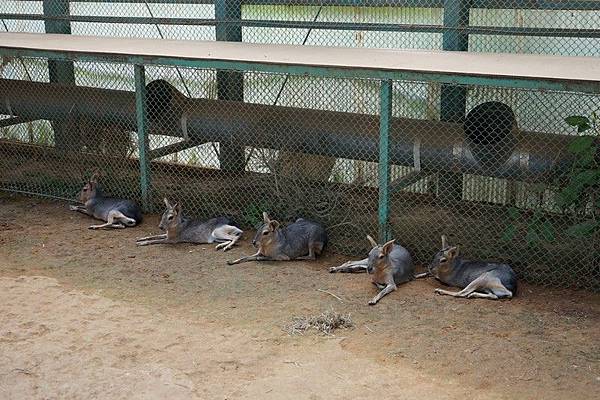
(407, 180)
(243, 23)
(474, 30)
(332, 72)
(490, 4)
(173, 148)
(481, 30)
(131, 1)
(36, 194)
(544, 32)
(14, 121)
(109, 20)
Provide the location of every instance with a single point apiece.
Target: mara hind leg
(480, 295)
(503, 292)
(227, 235)
(494, 291)
(125, 220)
(108, 225)
(351, 266)
(480, 282)
(314, 249)
(318, 247)
(114, 220)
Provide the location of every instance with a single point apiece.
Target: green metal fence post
(59, 71)
(453, 98)
(385, 120)
(143, 143)
(456, 38)
(230, 84)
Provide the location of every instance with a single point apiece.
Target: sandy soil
(87, 315)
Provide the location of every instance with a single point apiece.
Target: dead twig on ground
(331, 294)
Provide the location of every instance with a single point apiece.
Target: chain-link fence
(498, 170)
(561, 27)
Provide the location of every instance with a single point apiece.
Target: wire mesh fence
(503, 173)
(515, 26)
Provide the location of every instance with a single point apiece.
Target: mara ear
(444, 242)
(266, 218)
(177, 207)
(273, 225)
(95, 176)
(387, 248)
(167, 203)
(371, 241)
(453, 252)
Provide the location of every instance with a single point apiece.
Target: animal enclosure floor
(87, 315)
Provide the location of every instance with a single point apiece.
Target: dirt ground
(87, 315)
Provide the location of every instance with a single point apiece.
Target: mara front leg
(81, 209)
(153, 241)
(153, 237)
(253, 257)
(386, 290)
(260, 257)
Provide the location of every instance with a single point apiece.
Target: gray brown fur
(301, 240)
(389, 266)
(477, 279)
(117, 213)
(180, 229)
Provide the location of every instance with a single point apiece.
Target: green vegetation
(252, 214)
(577, 192)
(581, 193)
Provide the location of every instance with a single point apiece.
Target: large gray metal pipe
(488, 144)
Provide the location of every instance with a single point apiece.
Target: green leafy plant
(536, 225)
(580, 189)
(253, 214)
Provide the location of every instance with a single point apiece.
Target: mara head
(266, 233)
(444, 257)
(379, 254)
(171, 217)
(90, 189)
